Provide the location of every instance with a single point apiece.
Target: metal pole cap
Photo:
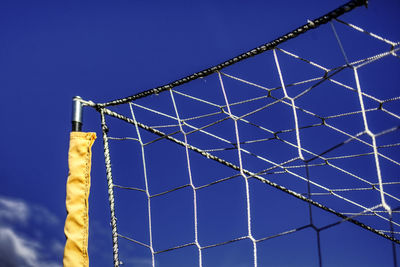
(76, 114)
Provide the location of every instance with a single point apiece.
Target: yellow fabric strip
(78, 186)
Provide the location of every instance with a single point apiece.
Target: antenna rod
(76, 114)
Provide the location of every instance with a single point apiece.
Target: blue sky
(101, 50)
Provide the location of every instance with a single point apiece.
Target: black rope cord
(258, 50)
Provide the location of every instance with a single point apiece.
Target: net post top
(77, 114)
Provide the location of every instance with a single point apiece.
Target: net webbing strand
(196, 237)
(146, 188)
(239, 151)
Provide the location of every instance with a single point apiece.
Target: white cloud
(18, 211)
(43, 215)
(18, 251)
(142, 262)
(17, 247)
(57, 247)
(13, 210)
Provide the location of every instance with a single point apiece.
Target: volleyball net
(285, 154)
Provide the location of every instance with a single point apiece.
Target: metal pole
(76, 114)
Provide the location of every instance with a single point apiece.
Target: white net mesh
(288, 158)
